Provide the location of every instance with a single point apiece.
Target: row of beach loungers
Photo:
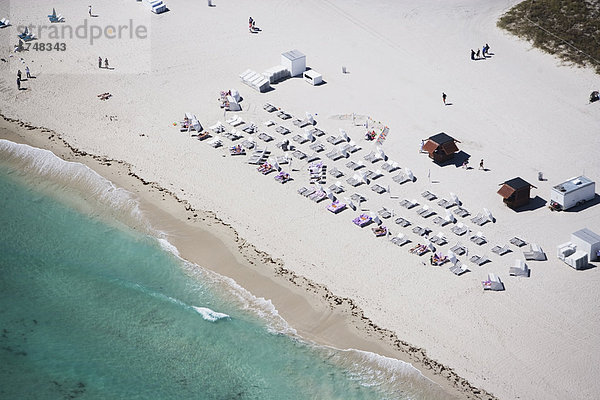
(343, 148)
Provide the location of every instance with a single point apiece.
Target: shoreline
(310, 308)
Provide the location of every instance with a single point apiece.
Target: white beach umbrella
(455, 199)
(452, 257)
(488, 214)
(310, 118)
(350, 203)
(409, 174)
(449, 216)
(344, 135)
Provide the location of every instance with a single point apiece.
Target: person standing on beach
(481, 164)
(19, 74)
(444, 98)
(106, 63)
(472, 54)
(27, 74)
(477, 54)
(18, 83)
(99, 62)
(250, 24)
(90, 10)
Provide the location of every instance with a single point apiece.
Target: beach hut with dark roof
(441, 147)
(515, 192)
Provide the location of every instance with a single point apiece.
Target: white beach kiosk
(294, 61)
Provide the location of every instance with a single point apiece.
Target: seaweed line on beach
(253, 255)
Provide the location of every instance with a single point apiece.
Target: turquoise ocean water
(95, 305)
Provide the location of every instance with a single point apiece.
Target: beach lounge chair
(354, 166)
(399, 240)
(420, 231)
(301, 123)
(446, 203)
(489, 215)
(250, 128)
(461, 212)
(337, 187)
(317, 147)
(362, 220)
(309, 192)
(401, 178)
(313, 157)
(428, 195)
(269, 107)
(519, 269)
(376, 175)
(336, 207)
(335, 140)
(439, 239)
(478, 239)
(403, 222)
(282, 130)
(265, 137)
(518, 242)
(237, 150)
(380, 231)
(55, 18)
(493, 283)
(479, 260)
(299, 154)
(318, 196)
(425, 211)
(269, 123)
(534, 252)
(249, 143)
(409, 203)
(459, 249)
(458, 268)
(390, 166)
(282, 177)
(4, 23)
(370, 156)
(359, 198)
(384, 213)
(265, 168)
(439, 220)
(334, 154)
(355, 180)
(23, 34)
(479, 219)
(217, 128)
(316, 132)
(215, 142)
(233, 135)
(29, 37)
(378, 189)
(336, 173)
(501, 250)
(419, 249)
(283, 115)
(300, 139)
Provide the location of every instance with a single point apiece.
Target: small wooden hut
(441, 147)
(515, 192)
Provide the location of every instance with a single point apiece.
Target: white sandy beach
(520, 110)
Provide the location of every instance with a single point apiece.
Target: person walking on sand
(444, 98)
(18, 83)
(465, 164)
(106, 63)
(481, 164)
(250, 24)
(90, 10)
(19, 74)
(27, 74)
(99, 62)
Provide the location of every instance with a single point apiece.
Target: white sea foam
(72, 182)
(210, 315)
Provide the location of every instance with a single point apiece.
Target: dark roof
(442, 138)
(518, 183)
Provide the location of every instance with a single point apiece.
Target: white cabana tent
(294, 61)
